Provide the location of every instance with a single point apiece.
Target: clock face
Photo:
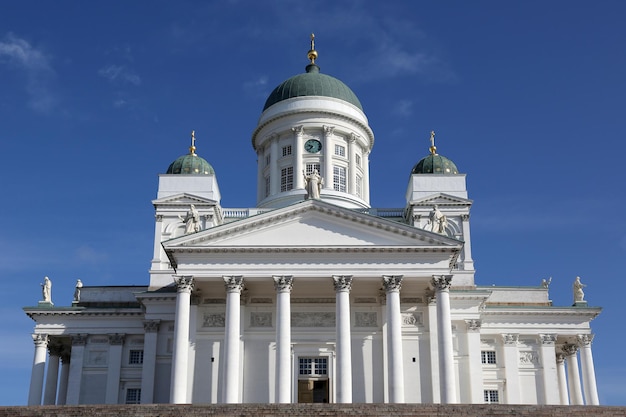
(313, 146)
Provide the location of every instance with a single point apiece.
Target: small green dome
(190, 164)
(312, 83)
(435, 164)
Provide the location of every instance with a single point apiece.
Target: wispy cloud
(256, 87)
(403, 108)
(19, 54)
(120, 73)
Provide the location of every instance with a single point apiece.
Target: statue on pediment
(191, 220)
(79, 285)
(437, 221)
(46, 290)
(313, 185)
(579, 294)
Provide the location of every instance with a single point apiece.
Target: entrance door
(312, 391)
(313, 380)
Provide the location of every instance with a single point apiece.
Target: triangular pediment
(313, 224)
(183, 199)
(441, 199)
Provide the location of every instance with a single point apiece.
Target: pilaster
(150, 338)
(549, 372)
(511, 368)
(76, 368)
(116, 342)
(474, 362)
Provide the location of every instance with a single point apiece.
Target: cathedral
(313, 295)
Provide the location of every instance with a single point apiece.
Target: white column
(352, 164)
(158, 235)
(151, 332)
(342, 284)
(65, 374)
(434, 346)
(441, 284)
(234, 285)
(178, 388)
(283, 285)
(76, 368)
(392, 285)
(467, 247)
(560, 365)
(475, 367)
(274, 172)
(328, 151)
(52, 376)
(116, 342)
(550, 373)
(511, 368)
(298, 165)
(573, 377)
(588, 370)
(366, 176)
(39, 367)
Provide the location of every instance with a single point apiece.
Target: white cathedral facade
(313, 295)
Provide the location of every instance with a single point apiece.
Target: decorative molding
(78, 339)
(313, 319)
(261, 300)
(411, 319)
(473, 325)
(312, 300)
(365, 319)
(392, 283)
(151, 326)
(411, 300)
(158, 218)
(298, 130)
(441, 282)
(510, 338)
(116, 339)
(95, 340)
(328, 130)
(98, 358)
(214, 320)
(547, 339)
(184, 283)
(283, 283)
(528, 358)
(40, 339)
(465, 217)
(260, 319)
(365, 300)
(584, 339)
(233, 283)
(342, 282)
(214, 301)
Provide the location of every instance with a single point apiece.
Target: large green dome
(190, 164)
(435, 164)
(312, 83)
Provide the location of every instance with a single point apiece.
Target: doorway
(313, 384)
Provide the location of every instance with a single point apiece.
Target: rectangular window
(357, 159)
(359, 186)
(488, 357)
(339, 178)
(286, 179)
(313, 366)
(267, 186)
(133, 396)
(340, 150)
(312, 167)
(491, 396)
(287, 150)
(135, 357)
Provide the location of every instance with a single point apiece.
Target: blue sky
(527, 98)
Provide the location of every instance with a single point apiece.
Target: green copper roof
(190, 164)
(435, 164)
(312, 83)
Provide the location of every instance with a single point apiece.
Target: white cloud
(404, 108)
(19, 54)
(257, 87)
(87, 254)
(119, 73)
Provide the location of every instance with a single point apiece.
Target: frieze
(257, 300)
(313, 319)
(312, 301)
(412, 300)
(98, 340)
(528, 358)
(365, 319)
(214, 301)
(260, 319)
(214, 320)
(365, 300)
(98, 358)
(411, 319)
(116, 339)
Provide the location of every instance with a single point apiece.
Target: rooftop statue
(46, 290)
(437, 221)
(313, 184)
(579, 294)
(79, 285)
(191, 220)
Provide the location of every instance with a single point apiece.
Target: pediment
(313, 224)
(183, 199)
(442, 199)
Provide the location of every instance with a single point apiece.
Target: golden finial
(312, 52)
(433, 148)
(192, 148)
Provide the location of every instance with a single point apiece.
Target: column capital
(510, 338)
(283, 283)
(116, 339)
(584, 339)
(560, 358)
(298, 130)
(55, 349)
(78, 339)
(233, 283)
(548, 339)
(184, 283)
(392, 283)
(40, 339)
(151, 326)
(342, 283)
(353, 137)
(569, 349)
(329, 130)
(465, 217)
(473, 325)
(441, 282)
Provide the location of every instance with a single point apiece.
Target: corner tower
(312, 122)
